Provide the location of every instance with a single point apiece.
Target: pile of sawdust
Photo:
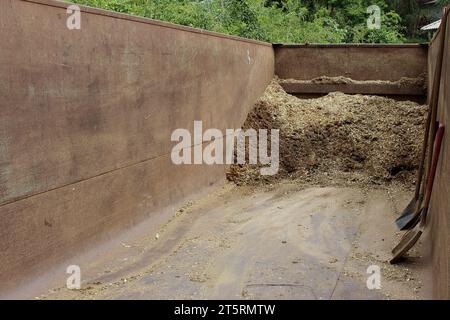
(402, 82)
(337, 139)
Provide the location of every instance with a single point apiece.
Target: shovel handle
(431, 117)
(436, 153)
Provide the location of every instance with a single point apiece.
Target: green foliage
(390, 31)
(276, 21)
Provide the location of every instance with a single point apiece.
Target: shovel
(411, 215)
(411, 212)
(410, 238)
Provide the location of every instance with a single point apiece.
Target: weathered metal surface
(86, 118)
(358, 62)
(354, 88)
(439, 214)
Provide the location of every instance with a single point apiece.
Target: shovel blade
(407, 242)
(409, 221)
(407, 215)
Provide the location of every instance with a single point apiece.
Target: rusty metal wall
(439, 222)
(361, 62)
(355, 61)
(86, 118)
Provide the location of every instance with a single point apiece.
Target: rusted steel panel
(358, 62)
(78, 103)
(439, 214)
(86, 118)
(354, 88)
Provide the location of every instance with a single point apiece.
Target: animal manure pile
(337, 139)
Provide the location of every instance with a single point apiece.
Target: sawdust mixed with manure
(338, 139)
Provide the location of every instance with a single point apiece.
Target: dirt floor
(286, 241)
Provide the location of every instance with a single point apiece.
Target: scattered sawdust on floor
(402, 82)
(197, 267)
(398, 275)
(338, 139)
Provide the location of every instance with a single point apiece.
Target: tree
(277, 21)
